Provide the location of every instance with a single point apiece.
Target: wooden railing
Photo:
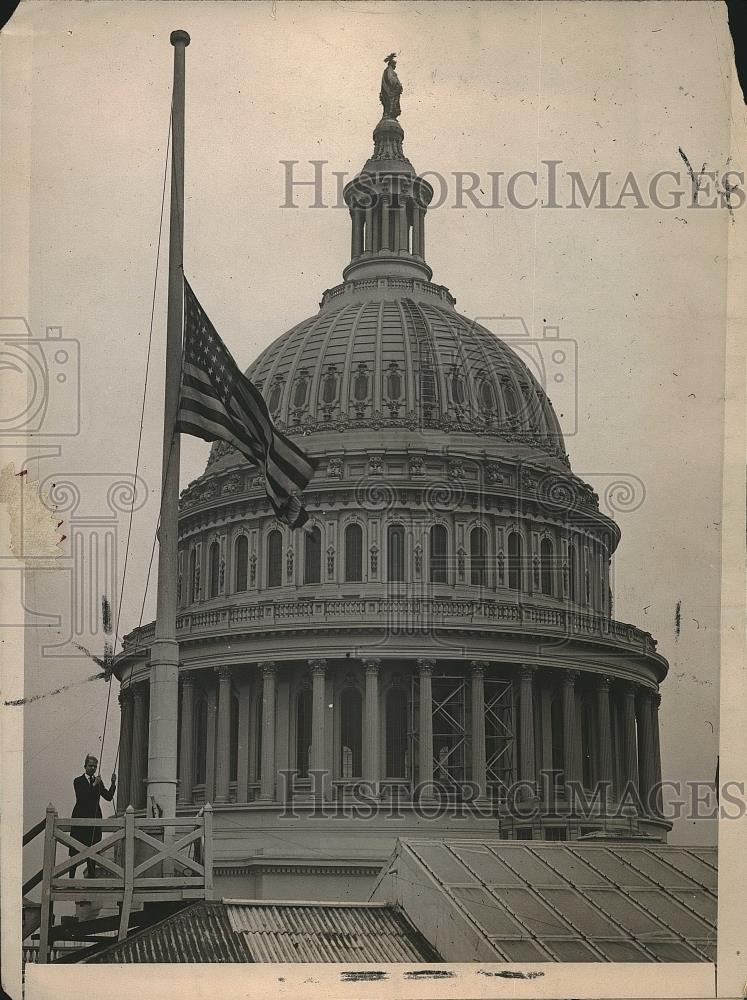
(144, 860)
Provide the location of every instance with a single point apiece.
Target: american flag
(218, 402)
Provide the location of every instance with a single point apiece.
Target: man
(89, 788)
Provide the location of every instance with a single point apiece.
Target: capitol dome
(441, 629)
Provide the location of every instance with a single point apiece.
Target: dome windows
(487, 396)
(312, 563)
(213, 569)
(478, 553)
(546, 567)
(458, 394)
(394, 381)
(329, 385)
(360, 384)
(439, 539)
(515, 560)
(276, 394)
(353, 553)
(274, 559)
(241, 557)
(396, 554)
(301, 390)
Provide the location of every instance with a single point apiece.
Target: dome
(391, 353)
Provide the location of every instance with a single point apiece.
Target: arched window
(353, 553)
(396, 554)
(587, 747)
(241, 556)
(546, 566)
(213, 568)
(274, 559)
(515, 560)
(194, 584)
(312, 560)
(396, 733)
(556, 737)
(199, 763)
(233, 768)
(478, 557)
(439, 554)
(394, 384)
(303, 732)
(351, 724)
(509, 398)
(572, 572)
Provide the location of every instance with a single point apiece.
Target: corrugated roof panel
(326, 933)
(258, 932)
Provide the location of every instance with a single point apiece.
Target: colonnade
(632, 756)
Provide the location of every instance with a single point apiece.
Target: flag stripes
(218, 402)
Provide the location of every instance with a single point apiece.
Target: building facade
(435, 652)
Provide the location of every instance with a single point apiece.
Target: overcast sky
(613, 87)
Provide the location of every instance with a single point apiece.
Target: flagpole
(164, 656)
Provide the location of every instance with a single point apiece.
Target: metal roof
(256, 931)
(566, 902)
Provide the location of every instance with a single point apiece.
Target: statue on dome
(391, 88)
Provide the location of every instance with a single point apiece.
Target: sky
(493, 87)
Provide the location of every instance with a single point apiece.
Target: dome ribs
(428, 371)
(323, 361)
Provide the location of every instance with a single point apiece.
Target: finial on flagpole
(180, 37)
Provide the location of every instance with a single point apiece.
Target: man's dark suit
(87, 807)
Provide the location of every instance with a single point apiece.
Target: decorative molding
(425, 666)
(318, 666)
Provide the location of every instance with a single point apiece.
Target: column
(630, 759)
(403, 233)
(125, 749)
(384, 203)
(425, 723)
(416, 212)
(658, 801)
(357, 240)
(604, 729)
(223, 758)
(267, 785)
(479, 776)
(570, 726)
(320, 779)
(369, 230)
(242, 770)
(421, 232)
(186, 747)
(371, 763)
(527, 771)
(646, 749)
(139, 754)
